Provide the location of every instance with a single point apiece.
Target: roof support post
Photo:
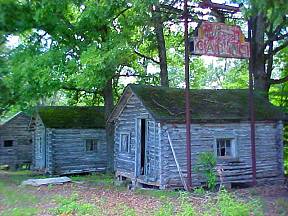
(251, 105)
(187, 97)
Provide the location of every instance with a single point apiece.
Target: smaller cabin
(69, 140)
(16, 141)
(150, 135)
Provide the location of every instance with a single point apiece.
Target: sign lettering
(220, 40)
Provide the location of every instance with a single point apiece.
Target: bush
(206, 165)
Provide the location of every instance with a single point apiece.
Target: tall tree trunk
(161, 46)
(109, 103)
(261, 81)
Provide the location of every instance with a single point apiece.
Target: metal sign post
(187, 98)
(251, 108)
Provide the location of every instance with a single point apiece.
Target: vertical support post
(187, 97)
(251, 106)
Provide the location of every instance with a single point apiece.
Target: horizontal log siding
(126, 123)
(69, 151)
(203, 136)
(17, 130)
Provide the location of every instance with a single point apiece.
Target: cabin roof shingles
(72, 117)
(168, 104)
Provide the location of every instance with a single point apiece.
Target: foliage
(72, 206)
(69, 54)
(124, 210)
(200, 191)
(166, 209)
(206, 165)
(282, 206)
(185, 206)
(228, 205)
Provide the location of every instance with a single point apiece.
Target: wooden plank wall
(269, 145)
(17, 130)
(67, 150)
(127, 123)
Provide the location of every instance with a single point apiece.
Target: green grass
(229, 205)
(19, 201)
(20, 212)
(122, 209)
(158, 193)
(16, 200)
(19, 176)
(282, 206)
(73, 206)
(95, 178)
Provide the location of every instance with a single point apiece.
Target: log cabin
(150, 135)
(69, 139)
(16, 141)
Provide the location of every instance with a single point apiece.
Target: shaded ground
(96, 195)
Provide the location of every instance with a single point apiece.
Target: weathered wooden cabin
(145, 116)
(16, 141)
(69, 140)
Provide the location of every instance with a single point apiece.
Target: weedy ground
(96, 194)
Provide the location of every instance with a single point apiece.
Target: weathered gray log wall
(67, 148)
(128, 122)
(17, 130)
(269, 153)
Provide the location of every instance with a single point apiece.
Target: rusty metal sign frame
(231, 9)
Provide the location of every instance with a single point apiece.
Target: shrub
(206, 165)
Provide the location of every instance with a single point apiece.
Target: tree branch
(278, 81)
(282, 46)
(277, 49)
(274, 35)
(147, 57)
(73, 88)
(121, 12)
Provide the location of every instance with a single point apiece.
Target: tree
(268, 21)
(77, 46)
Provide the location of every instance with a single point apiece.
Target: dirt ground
(113, 201)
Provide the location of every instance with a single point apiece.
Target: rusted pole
(187, 97)
(251, 107)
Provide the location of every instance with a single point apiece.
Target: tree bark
(161, 46)
(109, 104)
(261, 81)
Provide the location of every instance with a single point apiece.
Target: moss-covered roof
(72, 116)
(168, 104)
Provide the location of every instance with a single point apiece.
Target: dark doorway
(143, 150)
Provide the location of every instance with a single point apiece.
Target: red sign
(221, 40)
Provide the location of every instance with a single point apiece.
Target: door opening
(143, 150)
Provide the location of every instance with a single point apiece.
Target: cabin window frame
(9, 146)
(94, 146)
(233, 148)
(128, 148)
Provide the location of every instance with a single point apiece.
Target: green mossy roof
(168, 104)
(72, 117)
